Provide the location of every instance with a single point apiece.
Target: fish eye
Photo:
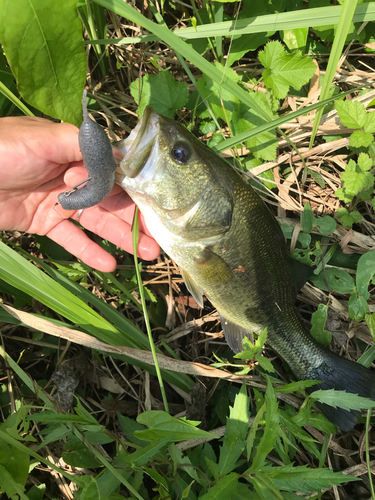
(180, 152)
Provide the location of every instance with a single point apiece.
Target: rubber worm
(100, 164)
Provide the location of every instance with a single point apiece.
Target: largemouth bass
(230, 248)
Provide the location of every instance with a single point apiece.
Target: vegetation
(284, 89)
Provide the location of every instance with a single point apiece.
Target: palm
(40, 160)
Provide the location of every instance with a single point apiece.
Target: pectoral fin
(195, 290)
(234, 334)
(212, 267)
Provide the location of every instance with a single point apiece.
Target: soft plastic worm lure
(100, 164)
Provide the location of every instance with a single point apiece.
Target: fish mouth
(138, 146)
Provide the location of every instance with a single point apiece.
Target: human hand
(40, 159)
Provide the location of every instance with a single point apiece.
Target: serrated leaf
(162, 92)
(235, 433)
(263, 145)
(43, 44)
(348, 218)
(266, 488)
(370, 122)
(223, 104)
(271, 429)
(10, 486)
(222, 489)
(352, 113)
(359, 139)
(253, 429)
(284, 70)
(300, 385)
(245, 43)
(364, 162)
(342, 399)
(160, 424)
(303, 479)
(343, 195)
(354, 182)
(265, 363)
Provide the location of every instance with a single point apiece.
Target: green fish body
(230, 248)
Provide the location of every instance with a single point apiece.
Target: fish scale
(229, 246)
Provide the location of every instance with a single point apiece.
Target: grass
(272, 445)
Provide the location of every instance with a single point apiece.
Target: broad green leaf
(370, 123)
(284, 70)
(235, 434)
(265, 487)
(253, 429)
(370, 320)
(300, 385)
(357, 307)
(337, 280)
(303, 479)
(245, 43)
(143, 455)
(90, 490)
(326, 225)
(161, 91)
(307, 218)
(160, 424)
(360, 139)
(354, 181)
(343, 195)
(295, 39)
(262, 145)
(271, 429)
(223, 489)
(365, 272)
(318, 320)
(342, 399)
(179, 458)
(265, 363)
(348, 218)
(352, 113)
(77, 454)
(43, 44)
(10, 486)
(364, 162)
(71, 301)
(223, 103)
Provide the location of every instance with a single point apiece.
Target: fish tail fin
(343, 375)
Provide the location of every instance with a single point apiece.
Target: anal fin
(234, 334)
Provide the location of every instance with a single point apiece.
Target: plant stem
(135, 235)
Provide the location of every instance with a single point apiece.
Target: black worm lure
(100, 164)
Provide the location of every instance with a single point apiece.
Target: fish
(230, 248)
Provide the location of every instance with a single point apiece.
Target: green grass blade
(346, 18)
(71, 301)
(135, 237)
(185, 50)
(20, 105)
(282, 21)
(243, 136)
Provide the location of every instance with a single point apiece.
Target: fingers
(75, 241)
(112, 228)
(113, 217)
